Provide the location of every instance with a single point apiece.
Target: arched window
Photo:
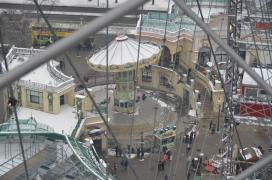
(165, 57)
(204, 56)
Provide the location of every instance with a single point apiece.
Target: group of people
(139, 152)
(143, 97)
(189, 137)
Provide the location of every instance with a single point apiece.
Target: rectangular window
(116, 102)
(147, 76)
(262, 92)
(251, 92)
(163, 81)
(34, 97)
(221, 57)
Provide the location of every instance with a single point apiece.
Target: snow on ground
(62, 123)
(161, 103)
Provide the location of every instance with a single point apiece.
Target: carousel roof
(123, 53)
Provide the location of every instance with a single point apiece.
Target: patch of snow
(62, 123)
(161, 103)
(192, 113)
(79, 96)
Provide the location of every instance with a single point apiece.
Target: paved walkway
(205, 143)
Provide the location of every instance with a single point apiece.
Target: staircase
(207, 106)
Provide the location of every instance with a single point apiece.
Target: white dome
(123, 53)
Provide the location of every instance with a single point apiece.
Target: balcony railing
(59, 76)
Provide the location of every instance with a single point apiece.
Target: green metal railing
(88, 159)
(87, 156)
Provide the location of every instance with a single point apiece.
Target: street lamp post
(142, 146)
(219, 110)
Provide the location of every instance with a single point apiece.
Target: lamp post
(142, 146)
(219, 110)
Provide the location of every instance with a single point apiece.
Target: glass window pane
(251, 92)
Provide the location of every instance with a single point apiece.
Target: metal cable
(86, 89)
(13, 104)
(107, 69)
(254, 38)
(135, 82)
(180, 110)
(193, 37)
(163, 54)
(222, 83)
(219, 74)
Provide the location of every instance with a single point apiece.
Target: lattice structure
(231, 79)
(247, 35)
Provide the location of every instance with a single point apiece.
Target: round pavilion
(122, 59)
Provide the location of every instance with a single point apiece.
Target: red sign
(263, 25)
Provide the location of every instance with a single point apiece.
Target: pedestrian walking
(213, 128)
(162, 165)
(188, 148)
(166, 177)
(169, 155)
(191, 137)
(142, 154)
(115, 167)
(188, 175)
(165, 157)
(122, 162)
(119, 152)
(138, 152)
(186, 138)
(128, 148)
(193, 163)
(126, 164)
(210, 125)
(132, 150)
(116, 151)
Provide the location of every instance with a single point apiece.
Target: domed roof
(123, 53)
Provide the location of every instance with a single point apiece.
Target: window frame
(147, 76)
